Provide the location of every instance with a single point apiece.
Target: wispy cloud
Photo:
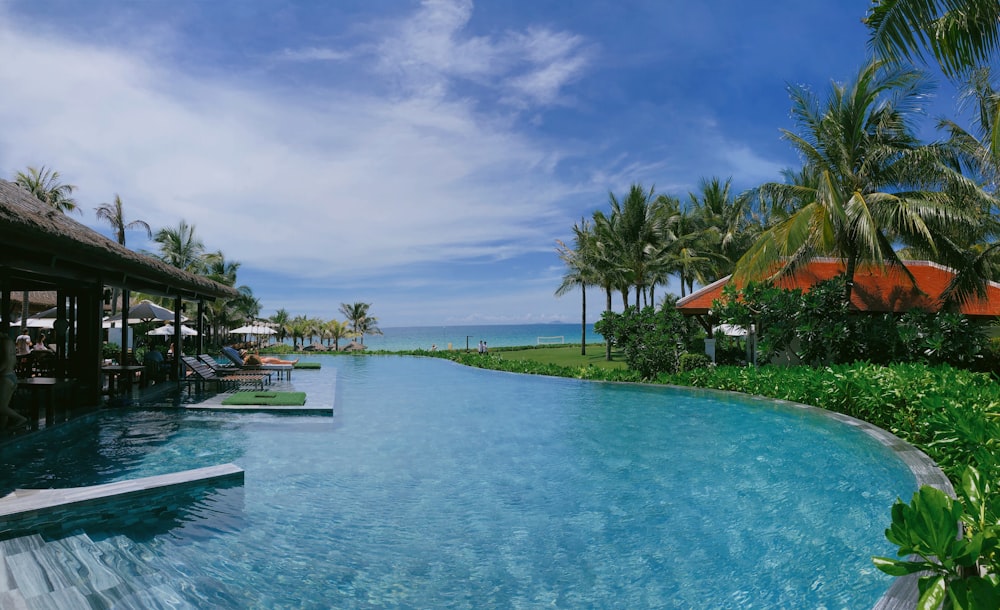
(431, 50)
(313, 54)
(297, 185)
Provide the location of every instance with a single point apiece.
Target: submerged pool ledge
(131, 500)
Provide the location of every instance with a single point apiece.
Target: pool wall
(124, 503)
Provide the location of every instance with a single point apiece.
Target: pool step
(77, 572)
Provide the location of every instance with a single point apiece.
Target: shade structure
(146, 311)
(168, 330)
(255, 329)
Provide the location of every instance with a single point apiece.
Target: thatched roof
(44, 247)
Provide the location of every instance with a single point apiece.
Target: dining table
(123, 374)
(45, 391)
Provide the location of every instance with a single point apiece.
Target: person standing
(23, 343)
(8, 384)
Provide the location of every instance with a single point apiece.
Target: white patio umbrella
(255, 329)
(146, 311)
(167, 330)
(34, 322)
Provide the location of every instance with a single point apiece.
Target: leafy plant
(960, 570)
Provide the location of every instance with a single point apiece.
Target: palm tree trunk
(607, 341)
(583, 322)
(852, 263)
(24, 307)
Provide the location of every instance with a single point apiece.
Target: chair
(221, 369)
(155, 368)
(237, 360)
(201, 372)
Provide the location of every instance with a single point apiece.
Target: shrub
(111, 351)
(820, 328)
(690, 361)
(651, 340)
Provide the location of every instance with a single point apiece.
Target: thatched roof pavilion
(47, 250)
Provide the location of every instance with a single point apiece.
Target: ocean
(457, 337)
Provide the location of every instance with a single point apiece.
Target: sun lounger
(234, 356)
(201, 373)
(222, 370)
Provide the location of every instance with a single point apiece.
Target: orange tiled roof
(877, 290)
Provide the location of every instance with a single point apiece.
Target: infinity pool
(438, 486)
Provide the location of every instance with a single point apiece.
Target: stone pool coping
(25, 509)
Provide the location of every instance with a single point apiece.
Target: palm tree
(113, 215)
(580, 270)
(972, 249)
(961, 34)
(335, 331)
(877, 186)
(368, 326)
(280, 321)
(227, 313)
(298, 328)
(356, 314)
(728, 224)
(44, 184)
(180, 248)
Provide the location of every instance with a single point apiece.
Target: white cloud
(313, 54)
(341, 184)
(431, 49)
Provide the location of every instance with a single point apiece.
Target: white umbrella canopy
(168, 330)
(39, 322)
(253, 330)
(146, 311)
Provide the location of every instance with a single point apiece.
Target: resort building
(876, 289)
(58, 262)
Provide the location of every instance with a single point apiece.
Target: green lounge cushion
(308, 365)
(271, 399)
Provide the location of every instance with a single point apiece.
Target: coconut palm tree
(356, 314)
(45, 185)
(298, 328)
(113, 215)
(280, 320)
(224, 314)
(580, 270)
(960, 34)
(972, 249)
(877, 186)
(368, 326)
(337, 330)
(180, 248)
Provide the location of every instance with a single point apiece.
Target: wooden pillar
(200, 327)
(178, 339)
(123, 357)
(87, 354)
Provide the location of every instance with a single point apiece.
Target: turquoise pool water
(438, 486)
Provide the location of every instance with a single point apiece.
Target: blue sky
(420, 156)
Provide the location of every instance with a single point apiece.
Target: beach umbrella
(146, 311)
(254, 329)
(354, 346)
(168, 330)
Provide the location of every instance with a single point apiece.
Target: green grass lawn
(281, 399)
(567, 355)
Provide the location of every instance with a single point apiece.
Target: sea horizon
(459, 336)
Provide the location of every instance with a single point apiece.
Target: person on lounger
(253, 359)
